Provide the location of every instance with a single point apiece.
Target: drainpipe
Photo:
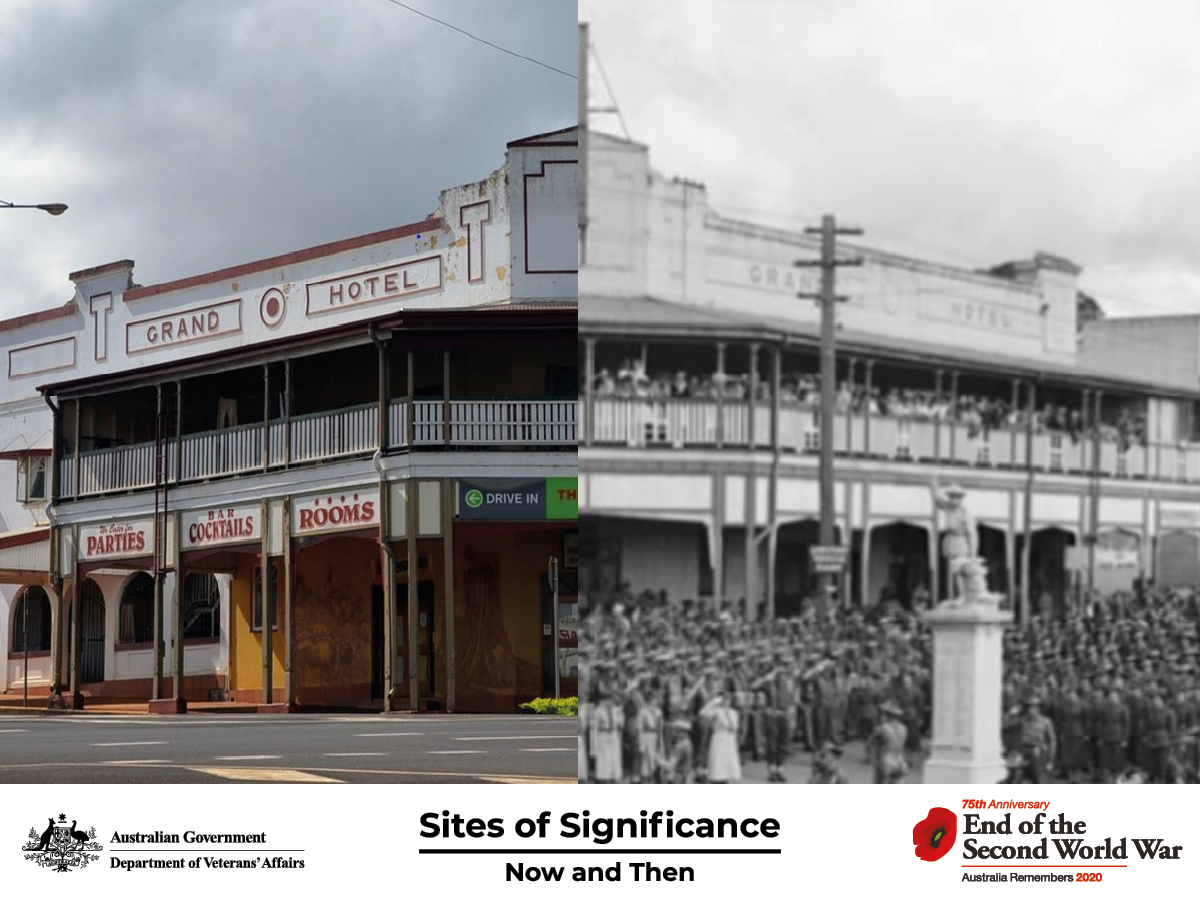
(380, 339)
(55, 575)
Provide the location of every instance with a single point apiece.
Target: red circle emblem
(272, 307)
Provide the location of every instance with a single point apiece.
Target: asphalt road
(212, 749)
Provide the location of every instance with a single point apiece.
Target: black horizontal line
(594, 851)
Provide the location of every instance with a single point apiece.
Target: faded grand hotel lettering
(265, 435)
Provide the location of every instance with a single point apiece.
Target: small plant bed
(548, 706)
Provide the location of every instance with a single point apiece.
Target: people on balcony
(980, 415)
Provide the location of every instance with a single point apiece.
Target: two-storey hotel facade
(332, 478)
(1072, 437)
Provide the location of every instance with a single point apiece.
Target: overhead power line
(475, 37)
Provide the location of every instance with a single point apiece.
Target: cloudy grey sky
(962, 131)
(189, 135)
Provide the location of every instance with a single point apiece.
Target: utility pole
(828, 298)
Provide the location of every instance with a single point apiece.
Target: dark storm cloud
(194, 135)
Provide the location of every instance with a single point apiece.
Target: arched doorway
(31, 621)
(91, 647)
(135, 624)
(899, 565)
(1050, 580)
(91, 660)
(795, 575)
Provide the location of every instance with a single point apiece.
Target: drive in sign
(516, 499)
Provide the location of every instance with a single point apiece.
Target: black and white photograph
(890, 456)
(288, 417)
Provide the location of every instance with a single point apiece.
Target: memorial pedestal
(967, 679)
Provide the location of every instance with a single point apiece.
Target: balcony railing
(680, 423)
(353, 431)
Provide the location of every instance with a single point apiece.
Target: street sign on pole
(828, 559)
(554, 601)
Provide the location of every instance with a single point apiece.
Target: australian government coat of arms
(62, 847)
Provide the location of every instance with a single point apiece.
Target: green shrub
(548, 706)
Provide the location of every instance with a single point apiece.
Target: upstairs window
(31, 478)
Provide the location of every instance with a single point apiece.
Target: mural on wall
(333, 632)
(486, 660)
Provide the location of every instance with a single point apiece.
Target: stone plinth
(967, 680)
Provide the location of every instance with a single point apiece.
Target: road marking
(393, 734)
(129, 744)
(452, 752)
(135, 762)
(525, 737)
(241, 758)
(362, 753)
(13, 730)
(264, 774)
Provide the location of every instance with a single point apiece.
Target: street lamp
(55, 209)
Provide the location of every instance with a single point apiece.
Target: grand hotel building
(332, 478)
(700, 435)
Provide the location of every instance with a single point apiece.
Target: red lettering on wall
(337, 514)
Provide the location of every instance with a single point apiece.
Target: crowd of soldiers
(685, 692)
(1120, 687)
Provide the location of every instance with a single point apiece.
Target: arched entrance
(135, 622)
(899, 565)
(1050, 581)
(795, 577)
(91, 661)
(31, 621)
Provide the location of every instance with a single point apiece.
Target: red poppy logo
(934, 835)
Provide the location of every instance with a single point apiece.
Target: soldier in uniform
(885, 746)
(1158, 738)
(774, 689)
(1037, 742)
(1112, 735)
(1072, 744)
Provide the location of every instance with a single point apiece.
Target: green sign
(562, 498)
(548, 499)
